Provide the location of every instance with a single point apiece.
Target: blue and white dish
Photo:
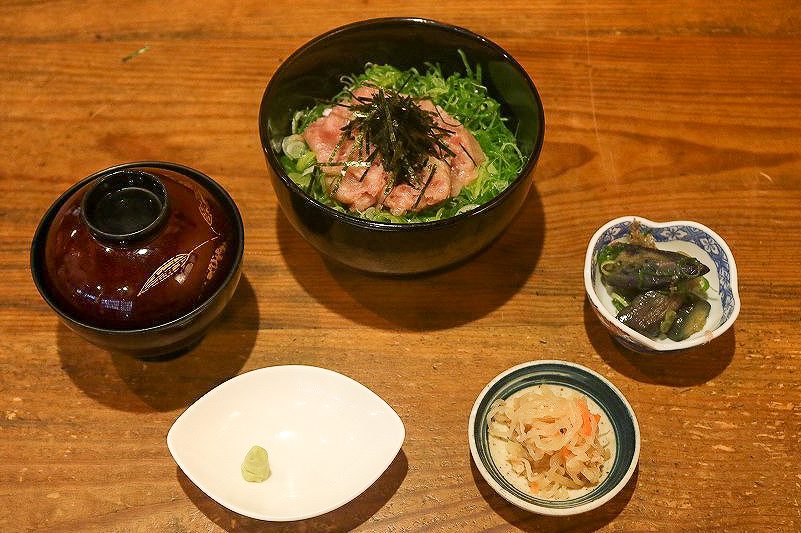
(602, 396)
(684, 236)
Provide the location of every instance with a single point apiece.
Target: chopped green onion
(465, 209)
(296, 120)
(618, 301)
(605, 267)
(608, 254)
(300, 179)
(294, 146)
(306, 161)
(697, 286)
(667, 321)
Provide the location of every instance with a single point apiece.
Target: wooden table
(668, 110)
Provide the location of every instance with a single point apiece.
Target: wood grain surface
(668, 110)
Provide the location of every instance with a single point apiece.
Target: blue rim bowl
(581, 379)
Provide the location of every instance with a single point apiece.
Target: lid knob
(125, 206)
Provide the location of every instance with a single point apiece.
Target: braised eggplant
(631, 268)
(690, 318)
(647, 311)
(658, 293)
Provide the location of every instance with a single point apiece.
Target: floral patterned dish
(683, 236)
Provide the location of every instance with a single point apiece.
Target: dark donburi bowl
(140, 258)
(314, 72)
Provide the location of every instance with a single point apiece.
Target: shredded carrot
(586, 423)
(566, 453)
(534, 486)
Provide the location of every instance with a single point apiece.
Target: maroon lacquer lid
(137, 247)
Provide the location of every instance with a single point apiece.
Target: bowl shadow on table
(348, 517)
(424, 302)
(685, 368)
(528, 521)
(128, 384)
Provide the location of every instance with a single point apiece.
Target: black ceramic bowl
(313, 73)
(163, 337)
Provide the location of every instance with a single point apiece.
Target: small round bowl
(313, 73)
(606, 397)
(151, 293)
(685, 236)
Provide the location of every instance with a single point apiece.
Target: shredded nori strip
(404, 134)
